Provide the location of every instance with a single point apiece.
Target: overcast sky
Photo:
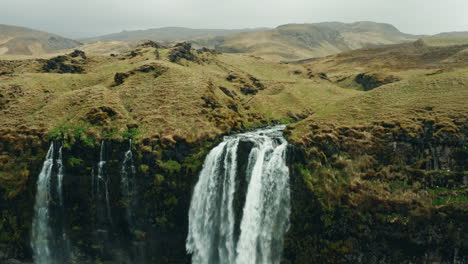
(83, 18)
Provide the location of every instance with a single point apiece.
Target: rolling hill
(24, 41)
(167, 34)
(299, 41)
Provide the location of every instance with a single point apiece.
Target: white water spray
(128, 185)
(213, 220)
(49, 247)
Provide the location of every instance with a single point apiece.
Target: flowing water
(49, 241)
(128, 185)
(248, 170)
(102, 190)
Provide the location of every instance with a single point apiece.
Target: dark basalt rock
(207, 50)
(120, 77)
(362, 222)
(371, 81)
(78, 53)
(61, 64)
(151, 44)
(158, 70)
(181, 51)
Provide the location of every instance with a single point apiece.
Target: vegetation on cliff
(385, 171)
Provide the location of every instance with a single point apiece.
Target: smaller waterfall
(49, 240)
(60, 175)
(128, 185)
(101, 185)
(41, 238)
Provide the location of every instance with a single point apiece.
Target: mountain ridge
(25, 41)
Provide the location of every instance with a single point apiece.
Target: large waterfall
(246, 171)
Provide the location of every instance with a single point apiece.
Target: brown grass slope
(300, 41)
(187, 100)
(411, 131)
(372, 67)
(25, 41)
(166, 34)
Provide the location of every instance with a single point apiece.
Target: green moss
(74, 162)
(144, 168)
(68, 134)
(131, 133)
(158, 179)
(170, 166)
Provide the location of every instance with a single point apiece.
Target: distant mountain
(447, 39)
(453, 34)
(167, 34)
(299, 41)
(25, 41)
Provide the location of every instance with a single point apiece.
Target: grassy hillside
(300, 41)
(200, 96)
(166, 34)
(446, 40)
(24, 41)
(380, 174)
(368, 68)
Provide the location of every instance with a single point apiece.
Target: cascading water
(128, 185)
(218, 233)
(101, 185)
(41, 237)
(50, 245)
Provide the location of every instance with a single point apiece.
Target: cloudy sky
(83, 18)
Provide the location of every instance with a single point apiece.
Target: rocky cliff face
(163, 180)
(383, 193)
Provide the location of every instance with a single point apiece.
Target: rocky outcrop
(181, 51)
(72, 63)
(369, 81)
(156, 69)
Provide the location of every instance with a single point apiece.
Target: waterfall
(128, 185)
(220, 234)
(41, 231)
(49, 241)
(101, 186)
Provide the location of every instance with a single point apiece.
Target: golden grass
(438, 97)
(441, 41)
(170, 105)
